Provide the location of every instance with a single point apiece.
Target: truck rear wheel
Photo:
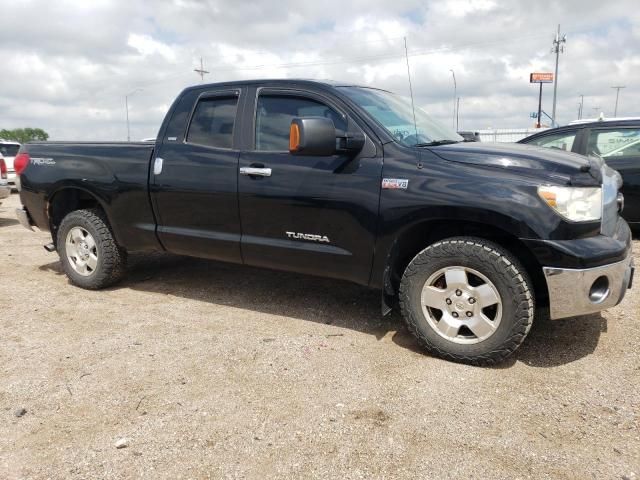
(467, 299)
(90, 256)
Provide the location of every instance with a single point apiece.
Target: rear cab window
(9, 149)
(213, 121)
(560, 141)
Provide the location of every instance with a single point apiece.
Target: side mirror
(312, 136)
(318, 136)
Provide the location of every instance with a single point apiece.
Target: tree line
(24, 135)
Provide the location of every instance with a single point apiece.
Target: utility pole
(201, 71)
(615, 112)
(455, 95)
(581, 106)
(558, 48)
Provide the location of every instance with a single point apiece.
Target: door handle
(254, 171)
(157, 166)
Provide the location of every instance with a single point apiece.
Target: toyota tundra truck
(470, 240)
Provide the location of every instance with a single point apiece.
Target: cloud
(69, 67)
(145, 45)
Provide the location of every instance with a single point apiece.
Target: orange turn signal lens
(294, 138)
(549, 197)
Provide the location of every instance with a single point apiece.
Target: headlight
(577, 204)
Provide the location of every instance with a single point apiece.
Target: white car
(9, 149)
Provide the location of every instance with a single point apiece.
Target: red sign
(541, 77)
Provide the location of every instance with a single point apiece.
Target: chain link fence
(507, 134)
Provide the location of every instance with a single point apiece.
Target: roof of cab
(280, 81)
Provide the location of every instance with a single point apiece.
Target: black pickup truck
(348, 182)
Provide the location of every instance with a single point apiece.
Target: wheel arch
(66, 199)
(420, 235)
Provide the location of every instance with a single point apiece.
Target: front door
(314, 215)
(620, 148)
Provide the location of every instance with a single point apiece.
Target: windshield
(395, 114)
(9, 149)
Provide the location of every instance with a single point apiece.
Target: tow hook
(50, 247)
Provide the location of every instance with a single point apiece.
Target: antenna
(413, 108)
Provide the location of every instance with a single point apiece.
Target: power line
(365, 59)
(388, 56)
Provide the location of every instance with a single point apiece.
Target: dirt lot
(217, 371)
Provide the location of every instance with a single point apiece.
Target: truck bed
(116, 172)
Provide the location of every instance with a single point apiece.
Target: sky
(69, 64)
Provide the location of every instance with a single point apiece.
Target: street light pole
(126, 106)
(455, 95)
(581, 106)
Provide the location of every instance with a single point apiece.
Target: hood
(527, 159)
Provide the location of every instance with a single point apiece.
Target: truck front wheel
(467, 299)
(90, 256)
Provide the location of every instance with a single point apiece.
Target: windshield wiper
(435, 143)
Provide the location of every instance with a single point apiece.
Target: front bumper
(574, 292)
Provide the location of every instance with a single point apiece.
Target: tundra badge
(308, 236)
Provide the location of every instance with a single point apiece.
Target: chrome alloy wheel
(81, 251)
(461, 305)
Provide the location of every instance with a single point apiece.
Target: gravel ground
(205, 370)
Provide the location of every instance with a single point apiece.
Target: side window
(212, 122)
(9, 149)
(561, 141)
(274, 114)
(623, 142)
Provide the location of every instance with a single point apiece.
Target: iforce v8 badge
(395, 183)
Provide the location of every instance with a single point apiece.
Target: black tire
(499, 266)
(111, 264)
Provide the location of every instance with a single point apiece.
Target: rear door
(307, 214)
(194, 179)
(620, 148)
